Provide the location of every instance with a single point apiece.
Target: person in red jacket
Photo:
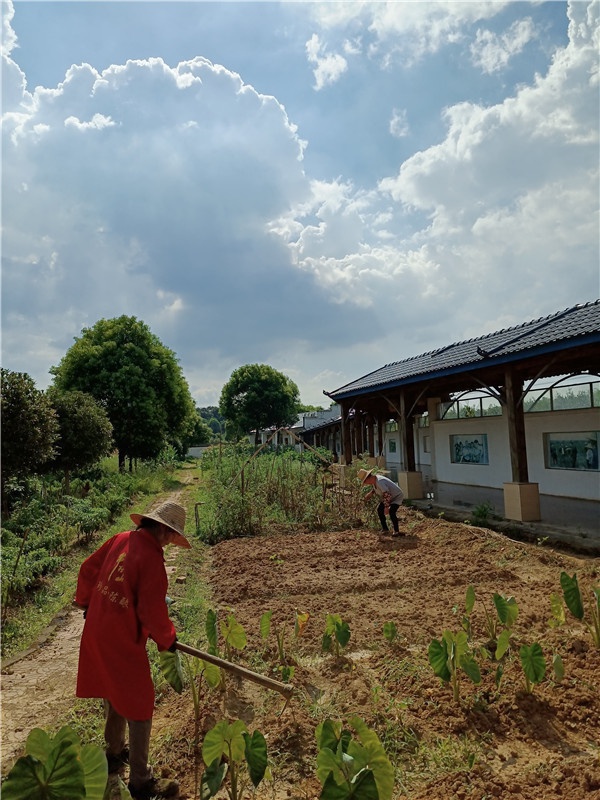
(122, 588)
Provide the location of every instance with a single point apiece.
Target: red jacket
(123, 585)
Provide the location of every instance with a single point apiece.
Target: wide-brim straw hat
(363, 474)
(170, 514)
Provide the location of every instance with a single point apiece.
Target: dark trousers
(393, 516)
(139, 743)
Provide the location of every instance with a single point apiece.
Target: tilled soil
(495, 743)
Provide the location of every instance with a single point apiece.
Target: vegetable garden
(451, 662)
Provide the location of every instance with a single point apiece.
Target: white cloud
(399, 124)
(492, 52)
(329, 66)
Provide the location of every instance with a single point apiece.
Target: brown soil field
(495, 743)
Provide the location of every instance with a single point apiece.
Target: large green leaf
(26, 779)
(233, 633)
(329, 766)
(471, 667)
(342, 633)
(379, 763)
(265, 624)
(438, 658)
(364, 786)
(95, 770)
(507, 609)
(211, 673)
(502, 644)
(572, 595)
(328, 734)
(212, 632)
(533, 662)
(213, 746)
(334, 791)
(212, 779)
(170, 667)
(256, 756)
(469, 599)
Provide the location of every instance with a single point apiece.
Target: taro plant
(229, 749)
(300, 622)
(232, 633)
(574, 603)
(350, 768)
(534, 665)
(57, 767)
(336, 636)
(390, 631)
(469, 603)
(499, 624)
(451, 654)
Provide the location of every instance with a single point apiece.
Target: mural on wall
(572, 450)
(469, 449)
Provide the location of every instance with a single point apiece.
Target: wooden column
(407, 439)
(513, 387)
(346, 434)
(359, 428)
(371, 432)
(380, 435)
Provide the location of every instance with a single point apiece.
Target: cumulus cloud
(179, 193)
(492, 52)
(329, 67)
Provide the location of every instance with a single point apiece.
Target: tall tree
(85, 431)
(29, 428)
(138, 380)
(257, 396)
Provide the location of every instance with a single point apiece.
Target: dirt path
(39, 688)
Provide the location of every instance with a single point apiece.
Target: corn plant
(228, 748)
(451, 654)
(574, 602)
(534, 665)
(55, 767)
(336, 636)
(351, 769)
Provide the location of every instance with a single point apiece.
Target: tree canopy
(257, 396)
(85, 431)
(138, 381)
(29, 427)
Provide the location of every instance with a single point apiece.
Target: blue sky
(322, 187)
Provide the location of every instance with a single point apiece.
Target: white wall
(561, 483)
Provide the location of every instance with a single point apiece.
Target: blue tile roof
(579, 324)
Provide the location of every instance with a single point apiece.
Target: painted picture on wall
(572, 450)
(469, 449)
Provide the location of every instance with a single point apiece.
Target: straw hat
(170, 514)
(363, 474)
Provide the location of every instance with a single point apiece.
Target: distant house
(304, 431)
(516, 410)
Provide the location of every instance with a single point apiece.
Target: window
(391, 446)
(426, 444)
(471, 449)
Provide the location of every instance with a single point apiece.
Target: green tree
(138, 380)
(200, 432)
(29, 428)
(257, 396)
(85, 432)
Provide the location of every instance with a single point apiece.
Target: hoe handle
(285, 689)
